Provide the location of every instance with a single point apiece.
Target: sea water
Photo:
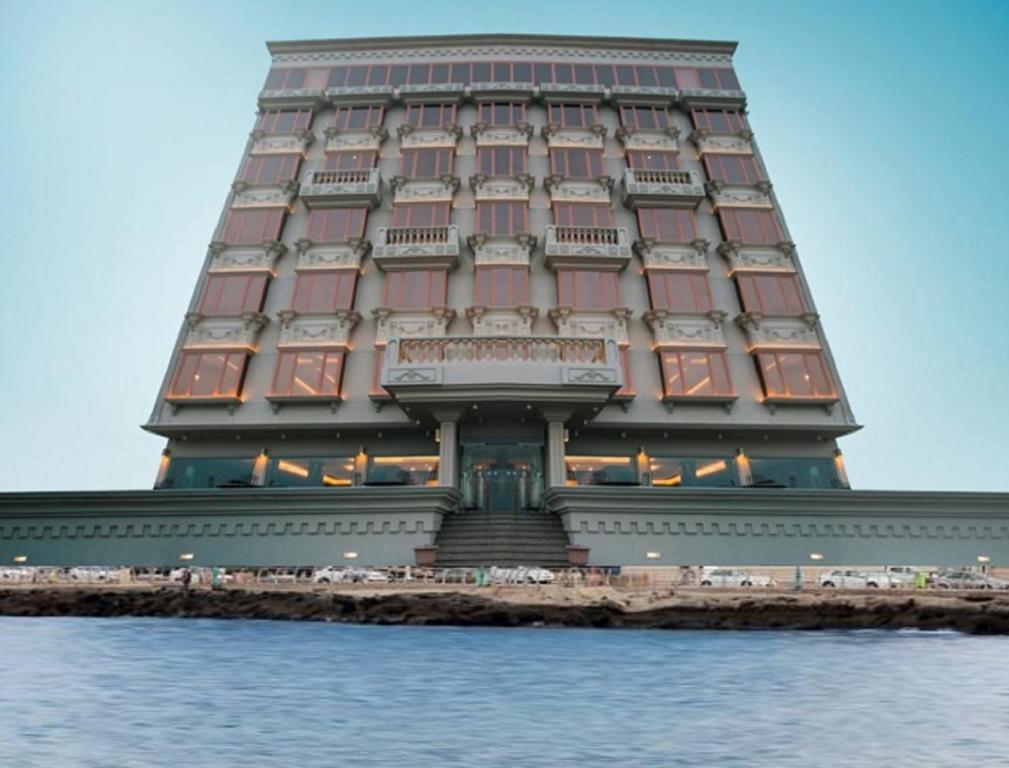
(166, 692)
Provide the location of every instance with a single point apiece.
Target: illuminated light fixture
(744, 475)
(839, 467)
(652, 555)
(20, 558)
(259, 468)
(403, 459)
(600, 459)
(983, 559)
(816, 556)
(350, 555)
(187, 556)
(165, 461)
(710, 469)
(291, 468)
(331, 480)
(674, 480)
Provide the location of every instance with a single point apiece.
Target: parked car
(334, 574)
(521, 575)
(968, 580)
(853, 579)
(901, 575)
(733, 577)
(17, 573)
(93, 573)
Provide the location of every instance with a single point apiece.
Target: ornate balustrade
(417, 247)
(353, 188)
(591, 247)
(682, 189)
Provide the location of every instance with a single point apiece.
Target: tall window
(430, 115)
(645, 118)
(421, 214)
(679, 291)
(209, 374)
(324, 291)
(226, 295)
(284, 120)
(415, 289)
(577, 163)
(588, 289)
(573, 115)
(710, 78)
(733, 169)
(252, 227)
(502, 286)
(336, 225)
(308, 373)
(771, 294)
(350, 161)
(271, 169)
(501, 161)
(795, 374)
(357, 118)
(695, 373)
(426, 163)
(753, 227)
(672, 225)
(719, 120)
(502, 218)
(653, 161)
(502, 113)
(582, 215)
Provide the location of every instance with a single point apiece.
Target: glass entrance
(502, 477)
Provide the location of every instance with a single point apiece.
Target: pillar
(556, 469)
(448, 452)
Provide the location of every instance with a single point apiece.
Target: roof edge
(430, 41)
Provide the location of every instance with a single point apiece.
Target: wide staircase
(502, 538)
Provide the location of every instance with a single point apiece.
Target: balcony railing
(587, 246)
(359, 187)
(527, 368)
(423, 247)
(671, 188)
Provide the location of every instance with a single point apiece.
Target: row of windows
(705, 373)
(645, 75)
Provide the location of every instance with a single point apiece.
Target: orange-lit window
(582, 215)
(577, 163)
(695, 373)
(426, 163)
(415, 289)
(795, 374)
(308, 373)
(334, 225)
(501, 161)
(679, 291)
(421, 214)
(504, 218)
(672, 225)
(753, 227)
(588, 289)
(350, 161)
(209, 374)
(226, 295)
(771, 294)
(284, 120)
(252, 227)
(271, 169)
(324, 291)
(357, 118)
(502, 286)
(653, 161)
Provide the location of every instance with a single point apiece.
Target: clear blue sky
(883, 126)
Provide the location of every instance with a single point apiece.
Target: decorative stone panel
(495, 321)
(346, 255)
(680, 329)
(566, 91)
(361, 95)
(224, 332)
(407, 190)
(667, 140)
(566, 190)
(758, 258)
(417, 247)
(281, 143)
(342, 188)
(428, 138)
(501, 90)
(245, 258)
(516, 187)
(712, 97)
(679, 189)
(659, 255)
(331, 329)
(579, 138)
(606, 248)
(410, 323)
(338, 140)
(740, 195)
(709, 143)
(305, 98)
(780, 332)
(517, 135)
(263, 196)
(428, 91)
(498, 250)
(587, 323)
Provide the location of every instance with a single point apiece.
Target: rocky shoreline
(518, 607)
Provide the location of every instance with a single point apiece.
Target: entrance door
(502, 477)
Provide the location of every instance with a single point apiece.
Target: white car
(337, 575)
(733, 577)
(853, 580)
(521, 575)
(901, 575)
(93, 573)
(17, 573)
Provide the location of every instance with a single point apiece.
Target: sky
(883, 126)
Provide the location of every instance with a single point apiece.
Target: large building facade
(502, 264)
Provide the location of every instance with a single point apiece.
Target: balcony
(671, 189)
(587, 247)
(344, 188)
(417, 247)
(526, 369)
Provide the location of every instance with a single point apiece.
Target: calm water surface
(152, 692)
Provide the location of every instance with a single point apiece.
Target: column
(556, 470)
(448, 451)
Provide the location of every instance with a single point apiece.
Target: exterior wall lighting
(652, 555)
(20, 558)
(842, 471)
(166, 459)
(259, 468)
(817, 556)
(187, 556)
(743, 474)
(351, 555)
(983, 559)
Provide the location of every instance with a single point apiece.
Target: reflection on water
(142, 692)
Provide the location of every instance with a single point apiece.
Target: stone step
(502, 538)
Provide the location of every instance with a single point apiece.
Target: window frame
(411, 159)
(289, 359)
(215, 291)
(219, 392)
(734, 227)
(756, 293)
(489, 160)
(650, 224)
(564, 162)
(343, 115)
(489, 279)
(309, 285)
(661, 293)
(712, 356)
(574, 291)
(504, 218)
(349, 231)
(784, 392)
(396, 289)
(266, 224)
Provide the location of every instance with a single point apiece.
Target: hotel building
(508, 265)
